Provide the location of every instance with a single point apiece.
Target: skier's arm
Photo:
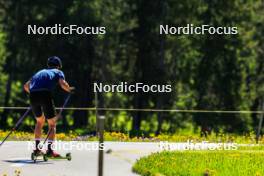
(26, 86)
(65, 86)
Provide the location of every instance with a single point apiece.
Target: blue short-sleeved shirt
(45, 79)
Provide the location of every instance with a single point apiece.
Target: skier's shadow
(27, 161)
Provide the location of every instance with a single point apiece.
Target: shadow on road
(26, 161)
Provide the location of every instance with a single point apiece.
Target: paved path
(118, 162)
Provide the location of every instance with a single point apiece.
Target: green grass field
(242, 162)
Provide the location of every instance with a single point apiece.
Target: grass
(25, 136)
(242, 162)
(118, 136)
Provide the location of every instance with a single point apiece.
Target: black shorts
(42, 102)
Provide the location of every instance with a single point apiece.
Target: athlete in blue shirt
(40, 88)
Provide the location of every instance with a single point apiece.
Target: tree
(227, 63)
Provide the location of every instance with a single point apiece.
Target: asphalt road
(117, 162)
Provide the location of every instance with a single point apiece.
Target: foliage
(17, 172)
(126, 137)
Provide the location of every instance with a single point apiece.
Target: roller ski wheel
(68, 156)
(45, 157)
(33, 157)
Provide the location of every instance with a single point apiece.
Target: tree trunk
(137, 115)
(84, 95)
(4, 115)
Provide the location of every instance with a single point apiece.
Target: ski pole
(16, 126)
(58, 116)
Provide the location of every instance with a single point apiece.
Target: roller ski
(36, 154)
(55, 156)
